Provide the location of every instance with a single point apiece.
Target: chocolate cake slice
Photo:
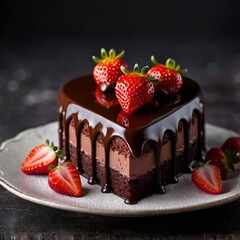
(132, 156)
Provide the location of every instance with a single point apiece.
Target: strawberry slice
(208, 179)
(40, 158)
(65, 179)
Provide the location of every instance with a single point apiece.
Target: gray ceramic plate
(180, 197)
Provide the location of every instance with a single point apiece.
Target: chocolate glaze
(77, 101)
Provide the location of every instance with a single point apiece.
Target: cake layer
(120, 157)
(163, 137)
(127, 186)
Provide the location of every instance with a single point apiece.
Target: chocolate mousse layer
(133, 156)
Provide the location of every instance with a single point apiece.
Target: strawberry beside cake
(135, 133)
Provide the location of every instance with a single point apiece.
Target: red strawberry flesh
(39, 159)
(208, 179)
(65, 179)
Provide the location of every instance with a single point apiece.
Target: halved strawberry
(216, 156)
(65, 179)
(208, 178)
(169, 75)
(40, 158)
(134, 89)
(107, 71)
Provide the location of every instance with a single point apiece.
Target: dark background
(103, 19)
(45, 43)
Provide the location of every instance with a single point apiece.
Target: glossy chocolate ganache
(82, 107)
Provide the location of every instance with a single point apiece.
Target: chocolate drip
(93, 177)
(107, 186)
(160, 188)
(78, 128)
(186, 147)
(60, 128)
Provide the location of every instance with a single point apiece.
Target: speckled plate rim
(109, 204)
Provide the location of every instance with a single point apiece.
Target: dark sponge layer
(130, 189)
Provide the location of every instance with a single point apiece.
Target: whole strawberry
(169, 75)
(216, 156)
(134, 89)
(40, 158)
(232, 146)
(107, 71)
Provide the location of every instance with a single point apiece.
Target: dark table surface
(31, 74)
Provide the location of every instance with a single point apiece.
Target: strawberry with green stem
(108, 68)
(40, 158)
(223, 161)
(169, 75)
(232, 146)
(134, 89)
